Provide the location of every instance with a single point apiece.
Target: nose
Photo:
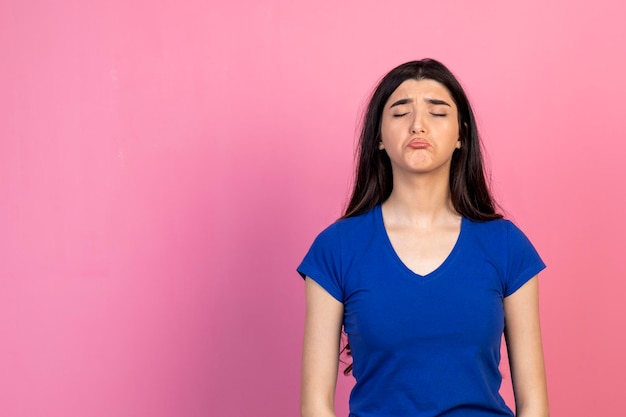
(419, 124)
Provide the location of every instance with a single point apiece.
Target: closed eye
(400, 115)
(439, 114)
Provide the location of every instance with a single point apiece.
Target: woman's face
(420, 128)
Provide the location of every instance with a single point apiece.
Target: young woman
(421, 272)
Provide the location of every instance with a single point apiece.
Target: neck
(420, 199)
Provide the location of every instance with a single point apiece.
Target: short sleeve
(322, 262)
(523, 261)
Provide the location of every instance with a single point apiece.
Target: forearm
(532, 401)
(538, 411)
(313, 404)
(530, 388)
(316, 400)
(316, 412)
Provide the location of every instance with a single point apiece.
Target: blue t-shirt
(423, 345)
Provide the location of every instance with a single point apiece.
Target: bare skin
(523, 340)
(320, 355)
(420, 132)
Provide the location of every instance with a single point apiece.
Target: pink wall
(165, 165)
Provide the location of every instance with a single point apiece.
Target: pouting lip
(418, 143)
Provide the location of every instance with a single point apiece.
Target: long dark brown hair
(373, 180)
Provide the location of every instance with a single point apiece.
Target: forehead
(420, 90)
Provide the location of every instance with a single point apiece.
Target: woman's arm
(320, 354)
(523, 340)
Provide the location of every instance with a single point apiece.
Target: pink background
(165, 165)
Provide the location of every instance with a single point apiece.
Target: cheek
(451, 130)
(390, 131)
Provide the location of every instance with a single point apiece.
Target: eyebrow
(437, 102)
(433, 101)
(401, 102)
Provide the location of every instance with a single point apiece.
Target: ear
(458, 144)
(381, 145)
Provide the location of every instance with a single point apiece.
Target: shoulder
(498, 229)
(347, 235)
(500, 237)
(335, 248)
(352, 227)
(509, 248)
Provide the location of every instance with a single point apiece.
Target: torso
(424, 345)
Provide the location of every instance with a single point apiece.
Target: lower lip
(418, 145)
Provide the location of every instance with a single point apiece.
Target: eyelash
(433, 114)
